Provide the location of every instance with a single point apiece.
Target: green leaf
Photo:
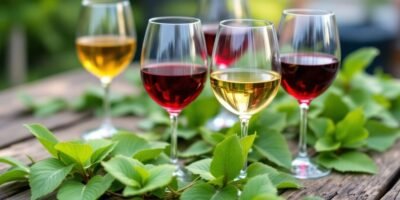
(281, 180)
(211, 137)
(199, 191)
(350, 132)
(93, 190)
(348, 162)
(381, 137)
(46, 176)
(13, 162)
(153, 151)
(267, 197)
(228, 159)
(195, 113)
(321, 126)
(362, 97)
(148, 154)
(273, 146)
(270, 119)
(27, 101)
(159, 177)
(128, 144)
(187, 134)
(335, 108)
(258, 185)
(122, 169)
(228, 192)
(128, 107)
(15, 174)
(326, 143)
(45, 137)
(50, 107)
(247, 143)
(395, 108)
(357, 61)
(80, 153)
(291, 109)
(101, 149)
(197, 149)
(201, 168)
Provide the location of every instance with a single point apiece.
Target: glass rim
(308, 12)
(263, 23)
(175, 20)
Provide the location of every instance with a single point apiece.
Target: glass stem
(106, 102)
(303, 130)
(174, 137)
(244, 126)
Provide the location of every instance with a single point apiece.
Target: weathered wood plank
(393, 193)
(67, 86)
(354, 186)
(63, 85)
(13, 189)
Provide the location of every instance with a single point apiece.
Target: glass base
(105, 131)
(224, 119)
(181, 173)
(304, 168)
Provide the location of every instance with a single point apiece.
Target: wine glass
(174, 68)
(245, 71)
(106, 43)
(211, 12)
(310, 57)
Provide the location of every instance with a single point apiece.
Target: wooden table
(16, 141)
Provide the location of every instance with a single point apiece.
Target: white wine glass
(106, 44)
(245, 71)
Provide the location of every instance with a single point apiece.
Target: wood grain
(355, 186)
(393, 193)
(67, 86)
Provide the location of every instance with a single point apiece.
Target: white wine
(245, 91)
(105, 56)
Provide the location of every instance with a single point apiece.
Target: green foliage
(228, 159)
(357, 115)
(94, 189)
(44, 136)
(272, 145)
(280, 179)
(199, 191)
(357, 61)
(258, 185)
(352, 161)
(46, 176)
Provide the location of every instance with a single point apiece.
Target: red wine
(172, 85)
(305, 76)
(231, 46)
(210, 31)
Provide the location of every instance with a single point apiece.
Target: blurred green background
(39, 34)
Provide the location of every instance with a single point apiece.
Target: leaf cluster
(128, 165)
(359, 113)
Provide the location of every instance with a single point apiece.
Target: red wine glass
(250, 82)
(310, 58)
(174, 68)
